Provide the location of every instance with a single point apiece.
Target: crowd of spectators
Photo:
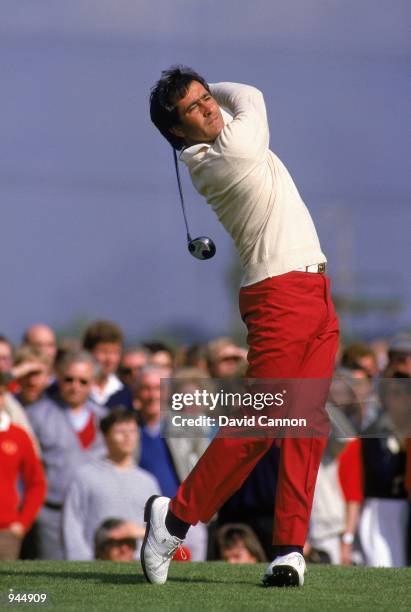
(83, 444)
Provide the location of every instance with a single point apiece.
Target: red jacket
(18, 459)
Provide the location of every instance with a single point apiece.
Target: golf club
(201, 247)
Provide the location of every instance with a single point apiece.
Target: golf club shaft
(181, 194)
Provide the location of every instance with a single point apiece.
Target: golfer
(223, 133)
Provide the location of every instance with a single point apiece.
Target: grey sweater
(61, 450)
(99, 491)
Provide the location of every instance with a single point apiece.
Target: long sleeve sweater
(61, 448)
(18, 459)
(100, 491)
(251, 190)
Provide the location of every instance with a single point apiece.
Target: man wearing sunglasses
(67, 429)
(108, 547)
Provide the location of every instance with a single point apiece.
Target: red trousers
(292, 333)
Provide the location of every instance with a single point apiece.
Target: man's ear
(177, 131)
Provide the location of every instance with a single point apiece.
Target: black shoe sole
(282, 576)
(147, 517)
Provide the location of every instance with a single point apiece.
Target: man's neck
(151, 420)
(123, 462)
(77, 409)
(102, 381)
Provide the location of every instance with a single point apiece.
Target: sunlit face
(163, 360)
(238, 554)
(200, 116)
(32, 385)
(75, 383)
(227, 361)
(121, 439)
(148, 393)
(108, 355)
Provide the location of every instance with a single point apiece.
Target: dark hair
(232, 534)
(164, 96)
(353, 352)
(101, 534)
(157, 347)
(102, 331)
(116, 415)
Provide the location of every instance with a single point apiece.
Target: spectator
(399, 356)
(360, 355)
(161, 355)
(327, 521)
(237, 543)
(113, 486)
(8, 375)
(372, 473)
(34, 380)
(104, 340)
(254, 502)
(107, 547)
(132, 361)
(225, 359)
(379, 347)
(18, 460)
(353, 393)
(195, 356)
(114, 542)
(168, 459)
(42, 338)
(67, 430)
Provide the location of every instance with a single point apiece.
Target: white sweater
(251, 190)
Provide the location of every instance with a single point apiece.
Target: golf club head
(202, 247)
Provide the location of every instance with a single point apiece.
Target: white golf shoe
(159, 545)
(285, 571)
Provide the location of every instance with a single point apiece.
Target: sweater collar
(5, 420)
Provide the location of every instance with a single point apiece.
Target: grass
(193, 587)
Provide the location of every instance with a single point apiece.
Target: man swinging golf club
(285, 302)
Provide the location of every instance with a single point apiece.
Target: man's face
(119, 550)
(200, 116)
(42, 339)
(6, 359)
(121, 439)
(227, 361)
(238, 554)
(163, 360)
(32, 385)
(75, 383)
(130, 366)
(108, 355)
(148, 393)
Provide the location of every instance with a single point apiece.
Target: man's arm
(247, 136)
(34, 483)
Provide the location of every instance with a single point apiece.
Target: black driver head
(202, 247)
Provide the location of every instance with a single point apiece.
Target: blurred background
(91, 226)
